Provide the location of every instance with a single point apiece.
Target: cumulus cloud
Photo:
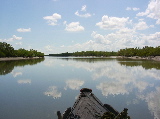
(112, 23)
(128, 8)
(53, 91)
(24, 30)
(52, 20)
(74, 27)
(14, 37)
(152, 11)
(84, 7)
(83, 14)
(141, 26)
(134, 8)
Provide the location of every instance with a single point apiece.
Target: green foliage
(127, 52)
(143, 52)
(6, 50)
(87, 53)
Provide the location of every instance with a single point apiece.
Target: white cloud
(141, 26)
(74, 27)
(152, 37)
(112, 22)
(84, 7)
(134, 8)
(83, 15)
(152, 11)
(65, 22)
(14, 37)
(52, 20)
(19, 43)
(128, 8)
(24, 30)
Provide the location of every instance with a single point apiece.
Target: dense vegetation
(6, 50)
(141, 52)
(87, 53)
(127, 52)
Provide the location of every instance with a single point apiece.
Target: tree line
(141, 52)
(6, 50)
(87, 53)
(127, 52)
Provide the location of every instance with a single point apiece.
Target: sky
(58, 26)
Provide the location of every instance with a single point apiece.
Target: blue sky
(56, 26)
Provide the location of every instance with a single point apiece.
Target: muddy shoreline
(17, 58)
(156, 58)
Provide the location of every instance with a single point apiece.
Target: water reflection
(144, 63)
(53, 91)
(153, 101)
(129, 83)
(26, 81)
(112, 88)
(124, 77)
(7, 66)
(74, 84)
(15, 74)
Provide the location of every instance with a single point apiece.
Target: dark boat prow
(88, 106)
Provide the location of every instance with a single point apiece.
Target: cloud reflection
(113, 88)
(15, 74)
(115, 79)
(53, 91)
(74, 84)
(27, 81)
(153, 101)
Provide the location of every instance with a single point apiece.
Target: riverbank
(156, 58)
(16, 58)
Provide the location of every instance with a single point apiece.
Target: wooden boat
(88, 106)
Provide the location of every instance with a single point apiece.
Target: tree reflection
(7, 66)
(147, 64)
(87, 59)
(144, 63)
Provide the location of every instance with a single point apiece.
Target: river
(38, 88)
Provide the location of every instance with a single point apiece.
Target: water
(37, 89)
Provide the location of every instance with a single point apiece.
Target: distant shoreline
(156, 58)
(17, 58)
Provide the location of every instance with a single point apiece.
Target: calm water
(37, 89)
